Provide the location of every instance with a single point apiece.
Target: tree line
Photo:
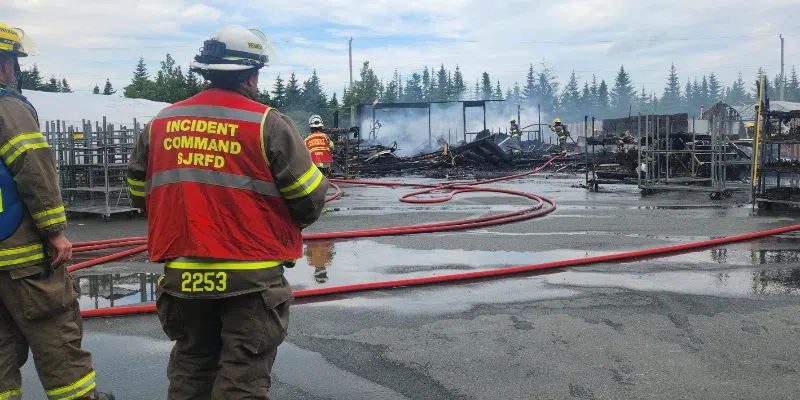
(541, 87)
(32, 80)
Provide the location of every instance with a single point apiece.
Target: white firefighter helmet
(315, 121)
(234, 48)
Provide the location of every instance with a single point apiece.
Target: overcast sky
(89, 41)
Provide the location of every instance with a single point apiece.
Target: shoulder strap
(31, 108)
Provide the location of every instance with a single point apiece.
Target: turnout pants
(42, 313)
(562, 143)
(224, 348)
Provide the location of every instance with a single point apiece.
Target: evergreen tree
(141, 86)
(736, 94)
(477, 94)
(486, 87)
(449, 93)
(426, 85)
(603, 100)
(585, 101)
(367, 89)
(108, 90)
(32, 79)
(413, 92)
(293, 99)
(547, 89)
(279, 93)
(767, 88)
(517, 94)
(441, 87)
(688, 97)
(776, 88)
(594, 91)
(510, 96)
(51, 86)
(705, 95)
(194, 87)
(498, 92)
(313, 97)
(697, 98)
(459, 87)
(264, 98)
(390, 95)
(334, 103)
(96, 89)
(570, 100)
(623, 95)
(671, 100)
(643, 102)
(529, 90)
(793, 87)
(65, 88)
(715, 90)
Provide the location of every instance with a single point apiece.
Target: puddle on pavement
(114, 290)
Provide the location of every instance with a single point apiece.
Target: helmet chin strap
(18, 74)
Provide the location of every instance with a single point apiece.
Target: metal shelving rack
(92, 164)
(778, 171)
(700, 166)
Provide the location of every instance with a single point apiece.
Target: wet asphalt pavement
(719, 323)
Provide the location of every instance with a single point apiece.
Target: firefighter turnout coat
(228, 185)
(320, 146)
(30, 199)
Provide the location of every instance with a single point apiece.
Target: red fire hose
(456, 188)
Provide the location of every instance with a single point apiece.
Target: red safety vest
(320, 148)
(210, 192)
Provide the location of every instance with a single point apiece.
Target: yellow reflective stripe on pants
(13, 394)
(50, 217)
(303, 186)
(20, 144)
(20, 255)
(74, 391)
(184, 263)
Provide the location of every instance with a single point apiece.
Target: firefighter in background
(750, 128)
(562, 133)
(319, 145)
(320, 256)
(225, 215)
(38, 299)
(516, 137)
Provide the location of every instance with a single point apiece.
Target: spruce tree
(570, 100)
(264, 97)
(108, 90)
(293, 99)
(671, 100)
(459, 87)
(32, 79)
(705, 96)
(623, 94)
(715, 90)
(96, 89)
(498, 92)
(441, 84)
(793, 87)
(517, 94)
(51, 86)
(65, 88)
(413, 92)
(736, 94)
(279, 93)
(141, 85)
(486, 87)
(426, 85)
(313, 97)
(585, 100)
(193, 85)
(529, 90)
(688, 97)
(603, 99)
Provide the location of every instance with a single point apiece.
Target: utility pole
(350, 88)
(783, 82)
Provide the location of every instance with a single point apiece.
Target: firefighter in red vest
(227, 184)
(319, 145)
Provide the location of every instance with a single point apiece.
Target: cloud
(89, 41)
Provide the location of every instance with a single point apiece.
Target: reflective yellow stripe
(135, 182)
(25, 148)
(75, 390)
(19, 138)
(51, 211)
(301, 181)
(308, 189)
(136, 192)
(19, 250)
(17, 261)
(13, 394)
(224, 265)
(51, 222)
